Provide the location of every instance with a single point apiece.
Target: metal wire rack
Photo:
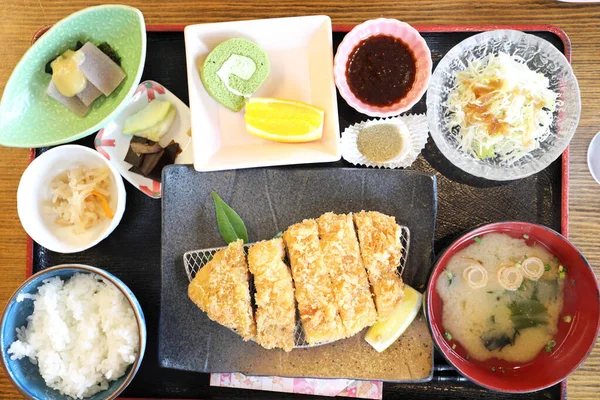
(194, 260)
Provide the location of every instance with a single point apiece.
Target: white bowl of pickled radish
(70, 198)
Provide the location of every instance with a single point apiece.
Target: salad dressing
(66, 75)
(501, 108)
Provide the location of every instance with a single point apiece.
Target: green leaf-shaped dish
(30, 118)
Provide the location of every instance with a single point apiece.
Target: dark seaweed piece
(134, 158)
(168, 158)
(496, 340)
(527, 313)
(48, 67)
(150, 162)
(136, 170)
(534, 295)
(173, 149)
(106, 49)
(528, 321)
(527, 307)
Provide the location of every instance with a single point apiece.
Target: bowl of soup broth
(513, 306)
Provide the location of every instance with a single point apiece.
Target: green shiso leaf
(230, 224)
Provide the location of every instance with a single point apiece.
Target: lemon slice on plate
(283, 120)
(384, 333)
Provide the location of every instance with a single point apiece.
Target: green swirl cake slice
(233, 71)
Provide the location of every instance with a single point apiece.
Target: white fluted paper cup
(413, 129)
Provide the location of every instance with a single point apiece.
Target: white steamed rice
(82, 334)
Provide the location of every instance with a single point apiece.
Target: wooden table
(19, 19)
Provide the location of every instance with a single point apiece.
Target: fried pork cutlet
(221, 290)
(276, 306)
(380, 247)
(314, 291)
(341, 255)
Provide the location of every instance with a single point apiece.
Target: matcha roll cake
(233, 71)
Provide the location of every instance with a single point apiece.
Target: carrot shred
(105, 205)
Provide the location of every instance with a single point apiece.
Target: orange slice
(284, 120)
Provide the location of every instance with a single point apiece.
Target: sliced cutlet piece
(72, 103)
(314, 291)
(100, 70)
(89, 94)
(274, 297)
(341, 255)
(221, 290)
(380, 247)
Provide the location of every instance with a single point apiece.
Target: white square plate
(301, 55)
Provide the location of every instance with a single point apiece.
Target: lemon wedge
(384, 333)
(283, 120)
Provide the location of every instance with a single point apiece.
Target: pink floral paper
(322, 387)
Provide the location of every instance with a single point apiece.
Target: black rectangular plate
(132, 251)
(269, 200)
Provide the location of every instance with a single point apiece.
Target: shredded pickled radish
(510, 278)
(532, 268)
(503, 108)
(475, 275)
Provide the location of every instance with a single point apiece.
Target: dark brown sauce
(381, 70)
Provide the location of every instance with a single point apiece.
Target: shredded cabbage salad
(501, 107)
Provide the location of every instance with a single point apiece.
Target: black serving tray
(132, 251)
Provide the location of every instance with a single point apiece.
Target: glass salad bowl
(540, 56)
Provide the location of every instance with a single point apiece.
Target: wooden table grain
(19, 19)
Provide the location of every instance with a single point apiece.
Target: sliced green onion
(468, 357)
(447, 335)
(454, 346)
(546, 267)
(477, 239)
(550, 345)
(490, 292)
(518, 265)
(525, 236)
(555, 259)
(493, 369)
(502, 370)
(568, 319)
(561, 275)
(561, 268)
(450, 275)
(572, 281)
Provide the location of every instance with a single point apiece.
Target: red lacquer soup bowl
(574, 340)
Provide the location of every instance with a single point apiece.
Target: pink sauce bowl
(400, 30)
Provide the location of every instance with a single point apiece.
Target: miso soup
(502, 298)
